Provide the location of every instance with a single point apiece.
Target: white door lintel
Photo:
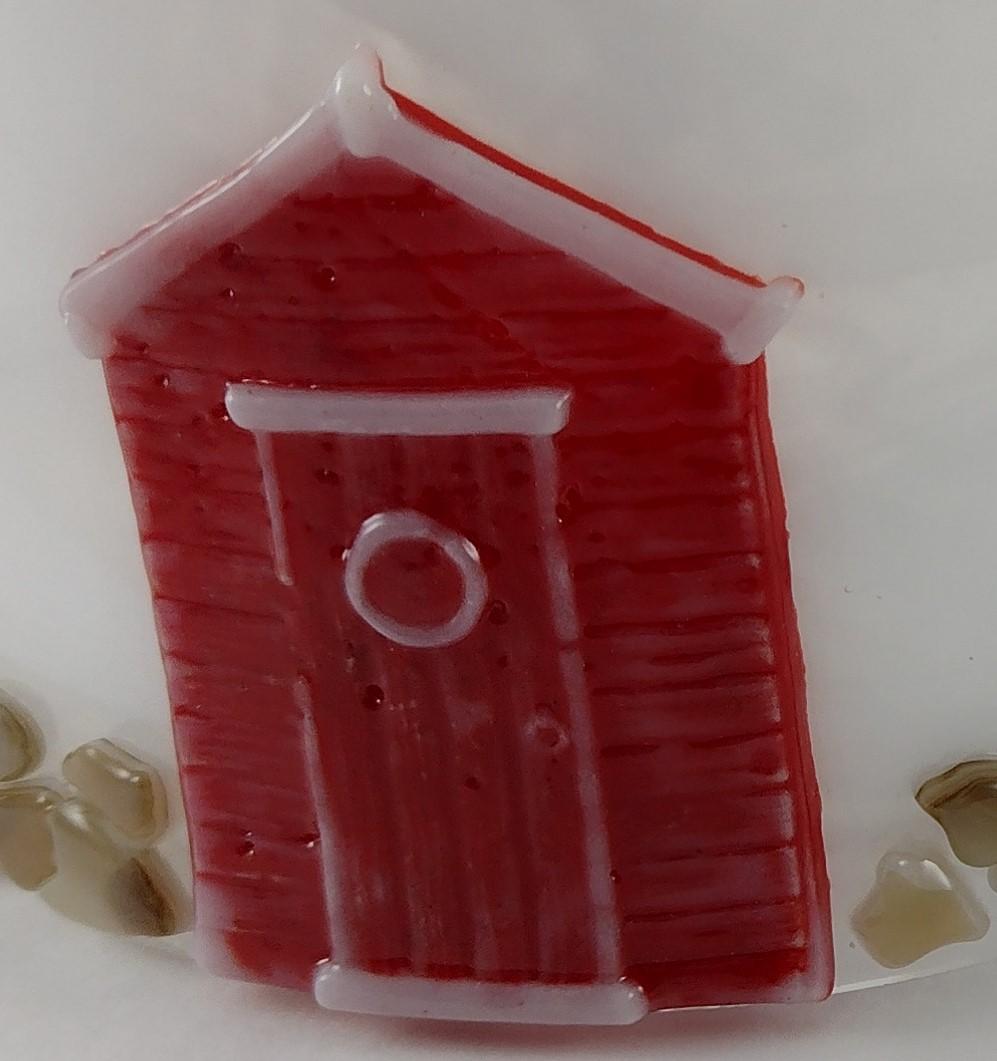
(530, 411)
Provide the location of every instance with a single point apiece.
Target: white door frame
(538, 414)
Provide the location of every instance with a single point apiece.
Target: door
(441, 687)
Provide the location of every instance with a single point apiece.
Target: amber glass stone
(915, 907)
(107, 885)
(127, 791)
(963, 801)
(21, 745)
(26, 850)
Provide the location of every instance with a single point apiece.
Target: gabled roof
(364, 118)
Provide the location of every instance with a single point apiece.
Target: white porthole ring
(385, 528)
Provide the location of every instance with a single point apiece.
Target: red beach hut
(464, 530)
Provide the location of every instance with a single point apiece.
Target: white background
(850, 142)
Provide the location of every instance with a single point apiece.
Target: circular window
(415, 581)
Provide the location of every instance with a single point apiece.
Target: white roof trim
(531, 411)
(360, 116)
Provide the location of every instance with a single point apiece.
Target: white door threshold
(355, 991)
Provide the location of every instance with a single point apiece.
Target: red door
(453, 769)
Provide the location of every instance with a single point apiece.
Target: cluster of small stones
(918, 905)
(84, 844)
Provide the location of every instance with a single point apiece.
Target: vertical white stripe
(353, 510)
(601, 891)
(522, 859)
(275, 508)
(338, 934)
(478, 918)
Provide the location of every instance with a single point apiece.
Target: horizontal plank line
(625, 498)
(298, 930)
(194, 467)
(608, 359)
(506, 367)
(245, 554)
(185, 430)
(746, 792)
(150, 484)
(227, 673)
(660, 795)
(419, 198)
(649, 745)
(746, 654)
(229, 726)
(284, 320)
(261, 744)
(656, 658)
(599, 631)
(199, 606)
(658, 425)
(708, 963)
(229, 544)
(663, 916)
(177, 475)
(219, 825)
(251, 823)
(623, 751)
(242, 880)
(135, 360)
(693, 742)
(406, 258)
(665, 564)
(245, 782)
(215, 673)
(147, 361)
(161, 426)
(656, 439)
(644, 688)
(664, 502)
(709, 854)
(232, 724)
(651, 314)
(705, 744)
(265, 836)
(199, 384)
(199, 767)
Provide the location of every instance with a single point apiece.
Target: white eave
(359, 116)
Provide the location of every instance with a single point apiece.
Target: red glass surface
(450, 775)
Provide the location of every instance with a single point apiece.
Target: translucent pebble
(915, 907)
(101, 883)
(21, 745)
(963, 801)
(26, 851)
(128, 792)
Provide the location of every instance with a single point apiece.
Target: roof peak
(362, 103)
(361, 116)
